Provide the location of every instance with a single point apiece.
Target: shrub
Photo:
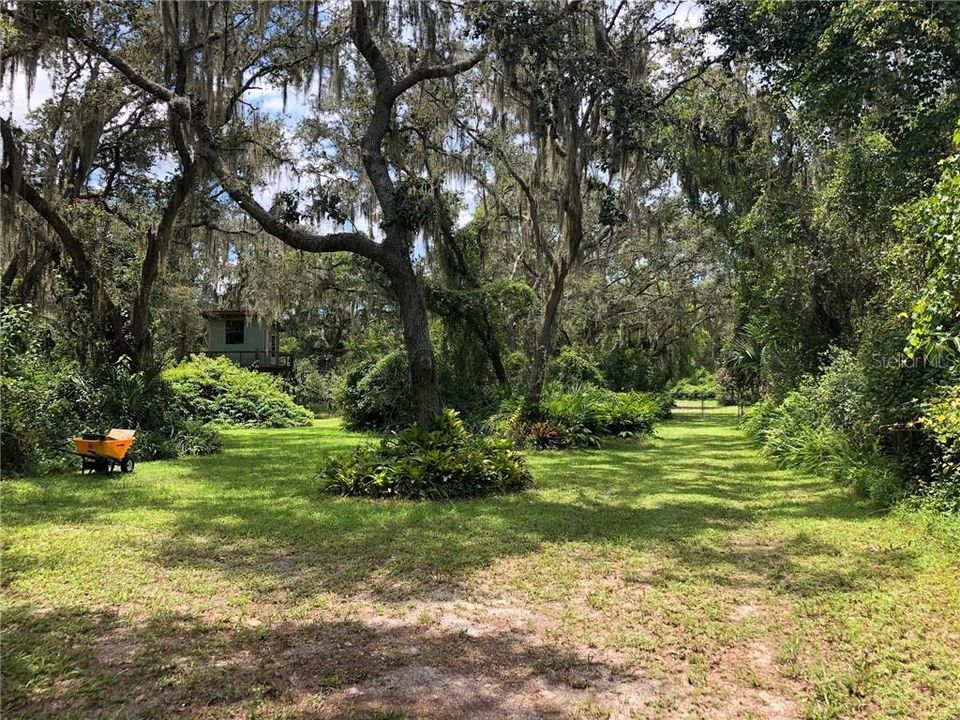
(941, 420)
(517, 365)
(545, 434)
(730, 390)
(833, 426)
(702, 385)
(794, 435)
(189, 438)
(931, 224)
(475, 402)
(35, 423)
(216, 390)
(663, 402)
(46, 402)
(442, 462)
(628, 365)
(571, 367)
(539, 434)
(604, 412)
(314, 390)
(119, 396)
(375, 394)
(758, 417)
(581, 415)
(30, 424)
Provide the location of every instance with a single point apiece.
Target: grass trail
(680, 577)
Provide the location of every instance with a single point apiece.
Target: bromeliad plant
(439, 462)
(580, 416)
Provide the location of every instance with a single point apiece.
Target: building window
(234, 332)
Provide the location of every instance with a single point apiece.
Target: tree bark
(424, 384)
(571, 206)
(157, 244)
(9, 275)
(544, 340)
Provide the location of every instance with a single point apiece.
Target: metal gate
(702, 408)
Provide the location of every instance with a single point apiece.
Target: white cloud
(15, 102)
(689, 14)
(269, 99)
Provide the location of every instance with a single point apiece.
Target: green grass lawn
(679, 577)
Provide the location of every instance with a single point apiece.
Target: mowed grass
(686, 559)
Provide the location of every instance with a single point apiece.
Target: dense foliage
(702, 385)
(581, 415)
(572, 366)
(881, 419)
(806, 431)
(47, 400)
(941, 420)
(215, 390)
(440, 462)
(848, 423)
(931, 224)
(374, 395)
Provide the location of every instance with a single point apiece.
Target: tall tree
(580, 85)
(368, 27)
(86, 169)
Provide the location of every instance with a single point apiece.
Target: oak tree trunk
(424, 383)
(544, 341)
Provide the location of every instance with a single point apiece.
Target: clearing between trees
(679, 577)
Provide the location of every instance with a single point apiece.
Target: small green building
(247, 341)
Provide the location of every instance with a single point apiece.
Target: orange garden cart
(105, 453)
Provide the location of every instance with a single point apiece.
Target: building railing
(257, 359)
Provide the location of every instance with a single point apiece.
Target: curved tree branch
(209, 150)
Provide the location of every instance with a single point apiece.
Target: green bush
(189, 438)
(604, 412)
(758, 417)
(931, 224)
(702, 385)
(628, 365)
(581, 415)
(571, 367)
(314, 390)
(795, 435)
(119, 396)
(834, 425)
(47, 401)
(941, 420)
(442, 462)
(33, 422)
(730, 389)
(546, 435)
(375, 395)
(218, 391)
(36, 423)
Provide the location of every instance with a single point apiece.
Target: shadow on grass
(257, 512)
(181, 665)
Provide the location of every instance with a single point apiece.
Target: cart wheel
(126, 465)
